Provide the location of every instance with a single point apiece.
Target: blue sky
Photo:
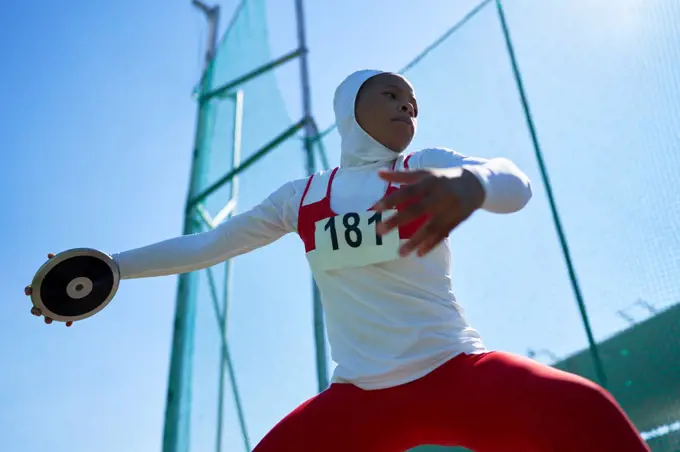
(97, 128)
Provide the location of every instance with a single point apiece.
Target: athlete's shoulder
(315, 187)
(438, 150)
(318, 177)
(301, 184)
(434, 157)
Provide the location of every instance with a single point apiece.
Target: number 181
(353, 236)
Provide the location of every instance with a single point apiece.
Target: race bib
(351, 240)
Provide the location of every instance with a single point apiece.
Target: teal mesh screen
(602, 80)
(260, 309)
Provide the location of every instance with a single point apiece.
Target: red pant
(495, 402)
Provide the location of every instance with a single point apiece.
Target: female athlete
(410, 370)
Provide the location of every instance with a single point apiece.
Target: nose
(408, 108)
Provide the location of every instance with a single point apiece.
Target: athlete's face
(386, 109)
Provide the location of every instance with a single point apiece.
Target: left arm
(506, 188)
(447, 188)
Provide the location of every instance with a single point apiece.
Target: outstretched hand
(446, 196)
(35, 311)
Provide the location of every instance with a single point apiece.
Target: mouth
(403, 119)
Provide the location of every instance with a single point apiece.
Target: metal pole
(228, 266)
(178, 405)
(229, 86)
(212, 13)
(251, 160)
(319, 336)
(594, 352)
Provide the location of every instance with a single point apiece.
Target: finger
(48, 320)
(69, 323)
(403, 195)
(433, 205)
(403, 177)
(403, 216)
(28, 290)
(435, 239)
(36, 312)
(427, 230)
(50, 255)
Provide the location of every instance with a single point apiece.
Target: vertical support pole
(176, 430)
(234, 190)
(594, 352)
(319, 336)
(233, 196)
(318, 142)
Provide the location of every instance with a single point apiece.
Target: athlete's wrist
(473, 190)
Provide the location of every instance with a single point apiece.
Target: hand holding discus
(73, 285)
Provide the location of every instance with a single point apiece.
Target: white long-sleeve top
(388, 323)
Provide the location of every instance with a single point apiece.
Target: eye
(390, 94)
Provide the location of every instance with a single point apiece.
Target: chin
(397, 140)
(400, 146)
(397, 145)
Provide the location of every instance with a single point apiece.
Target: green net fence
(602, 80)
(258, 309)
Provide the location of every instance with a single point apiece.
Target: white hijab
(358, 148)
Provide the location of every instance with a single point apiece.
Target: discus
(75, 284)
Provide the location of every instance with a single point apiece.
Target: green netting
(259, 310)
(605, 104)
(602, 80)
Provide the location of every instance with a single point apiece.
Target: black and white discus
(75, 284)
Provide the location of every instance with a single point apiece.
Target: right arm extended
(259, 226)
